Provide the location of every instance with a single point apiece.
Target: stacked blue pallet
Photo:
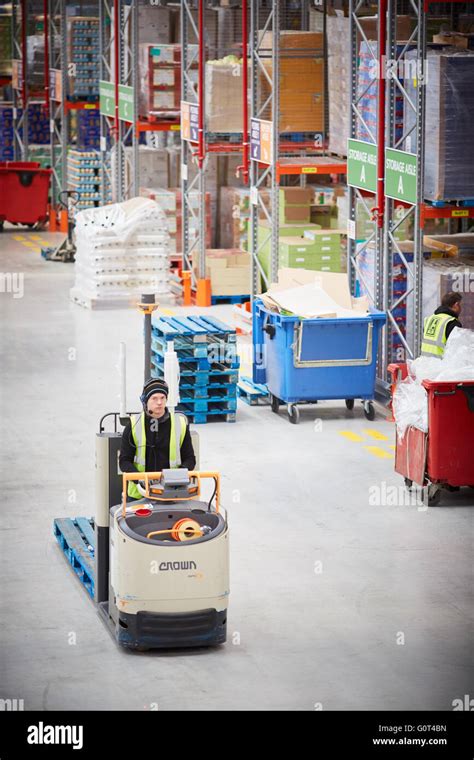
(88, 129)
(208, 364)
(38, 128)
(6, 133)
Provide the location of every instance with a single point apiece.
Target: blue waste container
(308, 360)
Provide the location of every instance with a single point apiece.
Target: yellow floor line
(350, 435)
(376, 434)
(378, 452)
(167, 312)
(35, 237)
(18, 237)
(392, 446)
(31, 245)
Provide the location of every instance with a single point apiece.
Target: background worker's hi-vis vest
(434, 335)
(177, 433)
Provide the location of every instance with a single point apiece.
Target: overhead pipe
(245, 105)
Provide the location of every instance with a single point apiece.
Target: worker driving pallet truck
(160, 577)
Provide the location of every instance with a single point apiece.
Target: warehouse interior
(147, 195)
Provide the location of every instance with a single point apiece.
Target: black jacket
(451, 325)
(157, 448)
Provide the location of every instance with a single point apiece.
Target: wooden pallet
(76, 538)
(122, 302)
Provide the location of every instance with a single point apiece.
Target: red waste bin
(24, 189)
(450, 432)
(443, 456)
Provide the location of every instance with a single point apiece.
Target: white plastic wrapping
(410, 400)
(122, 250)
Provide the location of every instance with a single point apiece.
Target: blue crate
(313, 359)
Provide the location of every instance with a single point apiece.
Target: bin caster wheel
(1, 226)
(408, 484)
(350, 404)
(431, 495)
(275, 403)
(369, 410)
(293, 414)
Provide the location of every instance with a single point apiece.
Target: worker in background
(440, 325)
(155, 440)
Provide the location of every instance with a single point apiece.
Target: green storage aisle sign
(400, 175)
(125, 104)
(107, 98)
(362, 165)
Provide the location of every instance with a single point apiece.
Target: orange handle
(130, 476)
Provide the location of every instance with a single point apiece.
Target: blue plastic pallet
(222, 405)
(203, 391)
(198, 328)
(230, 299)
(252, 393)
(197, 363)
(201, 418)
(186, 349)
(467, 203)
(194, 377)
(76, 537)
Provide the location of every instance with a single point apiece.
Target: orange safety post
(63, 220)
(203, 293)
(186, 280)
(53, 222)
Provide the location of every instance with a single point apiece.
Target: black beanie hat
(154, 386)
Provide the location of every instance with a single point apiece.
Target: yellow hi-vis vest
(177, 433)
(434, 335)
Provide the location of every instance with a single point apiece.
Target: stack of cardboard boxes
(301, 80)
(229, 272)
(302, 243)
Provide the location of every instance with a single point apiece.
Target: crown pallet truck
(160, 574)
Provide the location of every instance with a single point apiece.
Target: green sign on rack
(126, 103)
(362, 165)
(107, 98)
(400, 175)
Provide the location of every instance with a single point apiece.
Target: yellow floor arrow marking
(378, 452)
(376, 434)
(350, 435)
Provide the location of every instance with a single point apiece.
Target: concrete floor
(336, 602)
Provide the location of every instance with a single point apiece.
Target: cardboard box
(224, 97)
(229, 271)
(301, 80)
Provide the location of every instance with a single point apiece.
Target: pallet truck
(65, 251)
(157, 568)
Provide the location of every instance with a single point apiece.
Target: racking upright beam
(263, 174)
(366, 197)
(413, 138)
(20, 80)
(193, 159)
(58, 116)
(118, 52)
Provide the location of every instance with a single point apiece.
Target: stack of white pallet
(122, 252)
